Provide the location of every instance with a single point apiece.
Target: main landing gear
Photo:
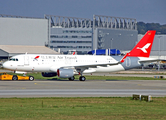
(71, 78)
(81, 78)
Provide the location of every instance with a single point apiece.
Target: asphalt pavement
(88, 88)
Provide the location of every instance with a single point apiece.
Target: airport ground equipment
(5, 76)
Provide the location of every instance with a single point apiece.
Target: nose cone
(6, 65)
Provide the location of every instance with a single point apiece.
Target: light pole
(111, 42)
(159, 54)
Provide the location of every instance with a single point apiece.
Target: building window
(76, 31)
(54, 41)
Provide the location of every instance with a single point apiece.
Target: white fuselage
(50, 63)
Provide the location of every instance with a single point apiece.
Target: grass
(81, 108)
(99, 108)
(91, 77)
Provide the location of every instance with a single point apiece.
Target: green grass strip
(92, 77)
(104, 108)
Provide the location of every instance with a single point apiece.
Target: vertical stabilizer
(143, 48)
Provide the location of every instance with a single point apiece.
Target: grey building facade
(66, 39)
(77, 34)
(114, 32)
(83, 35)
(69, 33)
(16, 30)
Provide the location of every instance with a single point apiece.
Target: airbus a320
(67, 66)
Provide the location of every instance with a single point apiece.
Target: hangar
(20, 35)
(84, 35)
(17, 30)
(71, 33)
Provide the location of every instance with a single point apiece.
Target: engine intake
(65, 73)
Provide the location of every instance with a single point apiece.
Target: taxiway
(89, 88)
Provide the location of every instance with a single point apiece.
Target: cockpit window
(13, 59)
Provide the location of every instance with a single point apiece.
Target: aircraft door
(128, 62)
(26, 60)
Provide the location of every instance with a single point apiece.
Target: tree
(144, 27)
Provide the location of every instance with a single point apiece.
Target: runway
(89, 88)
(79, 93)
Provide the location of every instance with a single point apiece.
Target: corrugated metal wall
(116, 39)
(23, 31)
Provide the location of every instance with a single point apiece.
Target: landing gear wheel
(72, 78)
(31, 78)
(14, 77)
(82, 78)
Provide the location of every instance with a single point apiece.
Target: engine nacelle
(49, 74)
(65, 73)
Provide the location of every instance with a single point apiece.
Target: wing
(81, 68)
(150, 60)
(86, 66)
(101, 64)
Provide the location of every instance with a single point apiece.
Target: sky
(147, 11)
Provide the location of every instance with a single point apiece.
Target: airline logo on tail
(145, 47)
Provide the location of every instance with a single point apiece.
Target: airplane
(67, 66)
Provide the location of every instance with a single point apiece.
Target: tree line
(144, 27)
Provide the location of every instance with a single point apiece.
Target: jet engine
(65, 73)
(49, 74)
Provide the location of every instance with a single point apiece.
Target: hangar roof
(20, 49)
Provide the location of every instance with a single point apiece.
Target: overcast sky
(148, 11)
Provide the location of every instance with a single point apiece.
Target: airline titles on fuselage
(58, 57)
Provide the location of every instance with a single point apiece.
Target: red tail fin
(143, 48)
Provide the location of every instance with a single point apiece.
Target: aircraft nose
(5, 65)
